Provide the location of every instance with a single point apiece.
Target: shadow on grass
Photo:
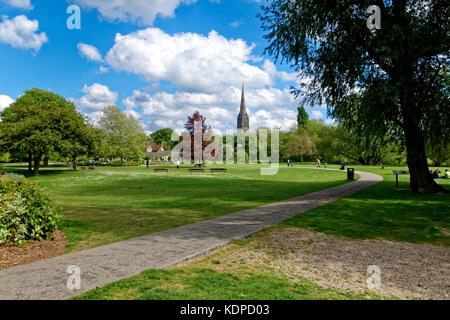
(97, 214)
(23, 170)
(381, 212)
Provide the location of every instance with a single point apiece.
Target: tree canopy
(198, 130)
(163, 137)
(123, 135)
(397, 72)
(38, 123)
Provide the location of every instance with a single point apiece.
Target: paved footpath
(47, 279)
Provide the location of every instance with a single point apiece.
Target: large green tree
(80, 139)
(301, 145)
(397, 71)
(164, 137)
(37, 124)
(123, 135)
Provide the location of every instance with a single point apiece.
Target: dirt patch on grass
(418, 271)
(408, 271)
(32, 251)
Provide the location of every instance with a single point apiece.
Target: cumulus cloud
(103, 70)
(270, 68)
(267, 107)
(206, 73)
(190, 61)
(20, 32)
(5, 101)
(96, 98)
(317, 115)
(22, 4)
(140, 11)
(89, 52)
(331, 122)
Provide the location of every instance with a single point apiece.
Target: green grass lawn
(379, 212)
(112, 204)
(191, 283)
(382, 212)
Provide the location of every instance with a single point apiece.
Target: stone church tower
(242, 120)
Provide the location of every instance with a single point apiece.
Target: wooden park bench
(91, 168)
(218, 170)
(397, 172)
(196, 170)
(161, 170)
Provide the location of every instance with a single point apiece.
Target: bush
(26, 212)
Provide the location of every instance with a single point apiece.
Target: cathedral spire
(243, 106)
(243, 120)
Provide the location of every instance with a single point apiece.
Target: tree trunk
(74, 163)
(46, 160)
(420, 178)
(37, 164)
(30, 162)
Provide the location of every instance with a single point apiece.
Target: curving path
(47, 279)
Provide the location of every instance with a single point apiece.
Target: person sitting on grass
(435, 173)
(447, 174)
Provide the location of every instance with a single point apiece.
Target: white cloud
(22, 4)
(103, 70)
(207, 72)
(141, 11)
(190, 61)
(89, 52)
(266, 107)
(5, 101)
(331, 122)
(132, 113)
(236, 23)
(317, 115)
(20, 32)
(270, 68)
(96, 98)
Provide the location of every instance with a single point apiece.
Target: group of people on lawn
(435, 174)
(318, 164)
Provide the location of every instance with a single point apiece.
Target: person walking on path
(147, 163)
(318, 163)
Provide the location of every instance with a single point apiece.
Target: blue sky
(158, 60)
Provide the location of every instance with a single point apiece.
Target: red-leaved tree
(200, 133)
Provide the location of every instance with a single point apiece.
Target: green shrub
(26, 212)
